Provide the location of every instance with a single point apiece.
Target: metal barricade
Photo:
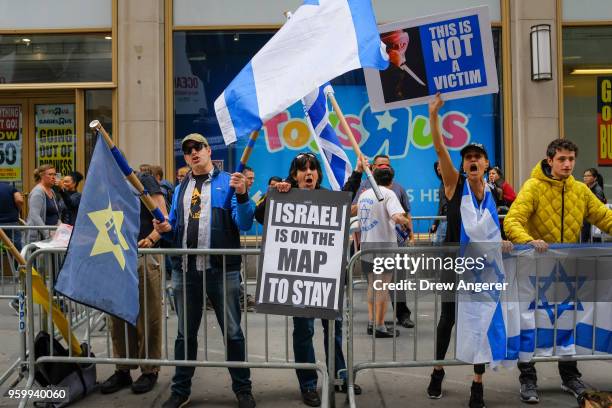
(390, 356)
(272, 353)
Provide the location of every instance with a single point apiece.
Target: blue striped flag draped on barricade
(322, 40)
(335, 160)
(560, 300)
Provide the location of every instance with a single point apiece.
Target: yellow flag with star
(100, 269)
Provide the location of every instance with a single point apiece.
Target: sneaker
(250, 303)
(245, 399)
(574, 386)
(144, 383)
(370, 329)
(405, 321)
(209, 305)
(344, 388)
(176, 401)
(476, 396)
(386, 333)
(529, 393)
(120, 379)
(311, 398)
(434, 390)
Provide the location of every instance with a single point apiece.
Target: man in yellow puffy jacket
(550, 208)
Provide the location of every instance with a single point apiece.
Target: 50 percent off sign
(10, 143)
(303, 261)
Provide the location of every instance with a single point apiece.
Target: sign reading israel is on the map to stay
(450, 53)
(303, 256)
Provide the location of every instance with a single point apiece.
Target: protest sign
(10, 143)
(303, 257)
(55, 138)
(451, 53)
(604, 121)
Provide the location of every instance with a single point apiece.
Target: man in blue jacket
(199, 219)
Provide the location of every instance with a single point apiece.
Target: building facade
(150, 71)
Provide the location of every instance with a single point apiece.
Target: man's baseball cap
(474, 146)
(195, 137)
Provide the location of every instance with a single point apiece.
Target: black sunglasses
(197, 145)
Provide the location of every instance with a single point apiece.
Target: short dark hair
(247, 168)
(384, 176)
(380, 156)
(498, 170)
(274, 178)
(560, 144)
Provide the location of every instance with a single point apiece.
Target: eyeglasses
(197, 145)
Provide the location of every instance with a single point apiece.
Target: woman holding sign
(305, 173)
(479, 201)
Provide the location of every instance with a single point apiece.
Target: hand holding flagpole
(349, 133)
(246, 154)
(129, 172)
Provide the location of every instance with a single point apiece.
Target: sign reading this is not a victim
(451, 53)
(303, 256)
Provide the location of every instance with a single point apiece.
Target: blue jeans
(303, 350)
(181, 382)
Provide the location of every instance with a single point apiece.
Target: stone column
(535, 105)
(141, 80)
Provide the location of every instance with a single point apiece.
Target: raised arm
(450, 175)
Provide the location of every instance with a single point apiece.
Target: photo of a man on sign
(451, 53)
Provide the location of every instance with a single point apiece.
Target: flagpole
(145, 197)
(246, 154)
(349, 133)
(41, 295)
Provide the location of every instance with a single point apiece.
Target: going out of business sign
(303, 256)
(604, 121)
(451, 53)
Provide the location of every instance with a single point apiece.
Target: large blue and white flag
(100, 269)
(487, 327)
(337, 165)
(322, 40)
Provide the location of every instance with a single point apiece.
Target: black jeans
(567, 370)
(444, 331)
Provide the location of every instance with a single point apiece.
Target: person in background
(594, 180)
(146, 169)
(402, 312)
(146, 336)
(377, 221)
(70, 196)
(272, 181)
(181, 173)
(249, 173)
(44, 207)
(503, 191)
(166, 187)
(439, 226)
(11, 203)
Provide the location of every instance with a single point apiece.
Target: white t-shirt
(375, 219)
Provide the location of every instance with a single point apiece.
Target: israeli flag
(487, 324)
(337, 165)
(565, 299)
(322, 40)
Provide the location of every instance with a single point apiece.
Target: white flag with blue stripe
(337, 165)
(322, 40)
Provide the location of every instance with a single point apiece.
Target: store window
(56, 137)
(98, 106)
(46, 58)
(205, 62)
(587, 77)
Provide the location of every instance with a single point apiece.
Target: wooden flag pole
(244, 159)
(349, 133)
(128, 172)
(40, 295)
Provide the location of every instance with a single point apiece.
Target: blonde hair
(38, 173)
